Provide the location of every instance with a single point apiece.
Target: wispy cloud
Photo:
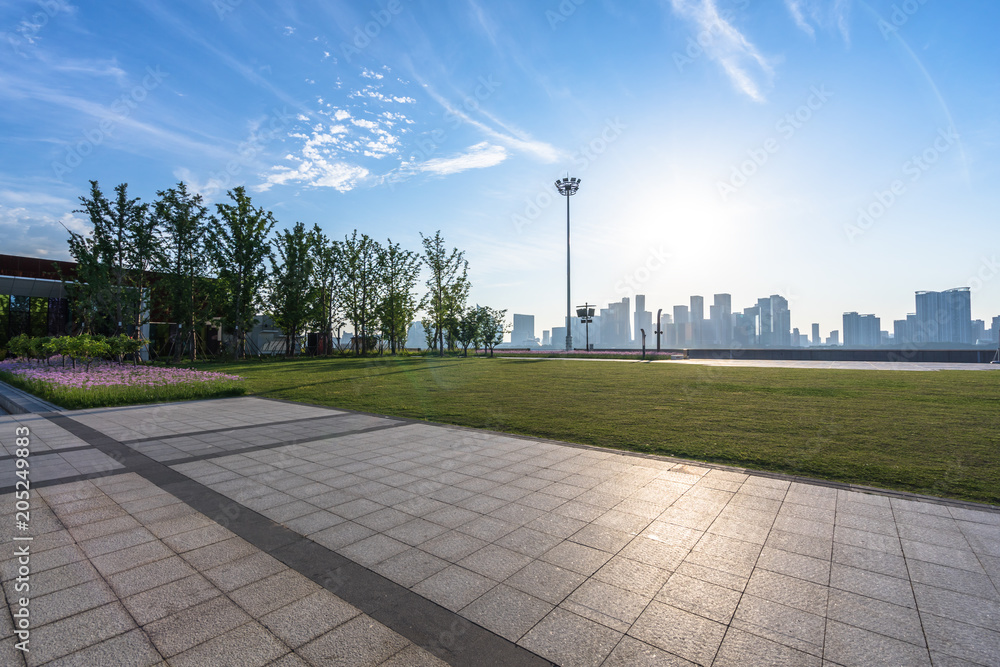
(822, 14)
(795, 9)
(745, 66)
(513, 138)
(479, 156)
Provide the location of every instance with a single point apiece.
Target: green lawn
(928, 432)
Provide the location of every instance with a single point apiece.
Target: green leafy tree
(291, 298)
(357, 265)
(183, 263)
(468, 330)
(494, 326)
(398, 272)
(112, 260)
(238, 245)
(327, 316)
(448, 286)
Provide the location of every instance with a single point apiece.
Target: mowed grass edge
(935, 433)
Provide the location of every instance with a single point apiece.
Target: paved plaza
(250, 531)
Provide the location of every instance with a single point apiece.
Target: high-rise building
(613, 328)
(722, 320)
(523, 333)
(861, 330)
(559, 337)
(944, 317)
(643, 319)
(833, 338)
(764, 321)
(781, 321)
(415, 337)
(816, 340)
(546, 341)
(697, 321)
(682, 326)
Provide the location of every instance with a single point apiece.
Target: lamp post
(567, 187)
(586, 315)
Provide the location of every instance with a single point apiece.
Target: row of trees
(226, 264)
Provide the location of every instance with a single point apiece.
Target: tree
(398, 272)
(183, 285)
(469, 329)
(113, 260)
(357, 264)
(494, 323)
(292, 298)
(238, 245)
(327, 315)
(448, 285)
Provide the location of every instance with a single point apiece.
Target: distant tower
(815, 334)
(524, 330)
(643, 318)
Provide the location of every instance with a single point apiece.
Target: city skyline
(939, 318)
(840, 155)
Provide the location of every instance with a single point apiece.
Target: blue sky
(841, 153)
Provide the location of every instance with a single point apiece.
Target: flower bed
(110, 383)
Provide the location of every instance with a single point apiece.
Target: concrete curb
(19, 402)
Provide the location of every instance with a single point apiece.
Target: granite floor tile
(570, 640)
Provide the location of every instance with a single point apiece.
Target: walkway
(256, 532)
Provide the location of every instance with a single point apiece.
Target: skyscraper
(781, 321)
(861, 330)
(815, 334)
(523, 332)
(682, 326)
(944, 317)
(697, 320)
(613, 327)
(643, 319)
(722, 320)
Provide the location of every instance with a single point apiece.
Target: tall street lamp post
(567, 187)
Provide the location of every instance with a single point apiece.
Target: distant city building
(697, 315)
(523, 333)
(833, 338)
(415, 336)
(861, 330)
(559, 337)
(816, 340)
(643, 319)
(613, 327)
(546, 341)
(781, 321)
(721, 318)
(944, 317)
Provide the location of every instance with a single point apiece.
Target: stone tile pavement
(260, 532)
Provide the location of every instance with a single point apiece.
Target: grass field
(927, 432)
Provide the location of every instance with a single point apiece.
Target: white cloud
(512, 138)
(480, 156)
(825, 14)
(795, 9)
(37, 234)
(739, 58)
(289, 31)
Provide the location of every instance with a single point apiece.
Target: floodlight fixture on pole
(586, 315)
(567, 187)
